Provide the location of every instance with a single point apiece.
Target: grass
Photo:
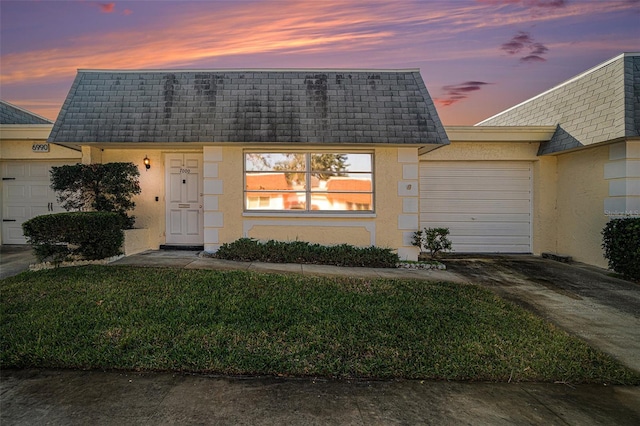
(245, 323)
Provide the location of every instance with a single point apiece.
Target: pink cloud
(127, 12)
(107, 7)
(457, 92)
(552, 4)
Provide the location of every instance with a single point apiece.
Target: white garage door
(486, 205)
(25, 194)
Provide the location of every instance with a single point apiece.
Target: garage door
(25, 194)
(486, 205)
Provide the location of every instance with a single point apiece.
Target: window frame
(308, 190)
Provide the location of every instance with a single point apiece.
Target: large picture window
(308, 181)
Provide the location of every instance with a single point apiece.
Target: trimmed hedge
(250, 250)
(621, 244)
(75, 235)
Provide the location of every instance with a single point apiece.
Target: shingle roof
(298, 106)
(598, 105)
(11, 114)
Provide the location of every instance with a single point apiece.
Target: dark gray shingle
(11, 114)
(297, 106)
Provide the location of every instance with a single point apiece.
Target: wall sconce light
(147, 162)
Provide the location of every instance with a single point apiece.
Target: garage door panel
(15, 170)
(39, 170)
(478, 172)
(15, 192)
(39, 191)
(449, 218)
(478, 206)
(494, 248)
(475, 184)
(483, 229)
(476, 195)
(485, 205)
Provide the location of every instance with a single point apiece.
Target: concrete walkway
(583, 300)
(191, 260)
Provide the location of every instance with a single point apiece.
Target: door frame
(194, 205)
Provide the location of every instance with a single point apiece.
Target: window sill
(345, 215)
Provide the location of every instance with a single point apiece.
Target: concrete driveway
(15, 259)
(584, 300)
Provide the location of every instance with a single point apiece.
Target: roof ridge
(385, 70)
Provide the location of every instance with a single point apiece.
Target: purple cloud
(523, 42)
(457, 92)
(549, 4)
(533, 58)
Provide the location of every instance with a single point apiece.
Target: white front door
(185, 223)
(26, 193)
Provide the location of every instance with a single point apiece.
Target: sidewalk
(116, 398)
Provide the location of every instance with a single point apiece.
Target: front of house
(360, 157)
(321, 156)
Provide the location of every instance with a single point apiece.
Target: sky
(477, 57)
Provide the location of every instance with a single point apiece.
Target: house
(360, 157)
(325, 156)
(592, 160)
(25, 160)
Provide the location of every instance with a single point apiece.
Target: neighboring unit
(25, 160)
(594, 152)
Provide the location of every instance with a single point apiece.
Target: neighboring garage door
(485, 204)
(25, 194)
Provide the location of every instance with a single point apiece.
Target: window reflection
(309, 181)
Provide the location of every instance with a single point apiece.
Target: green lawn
(246, 323)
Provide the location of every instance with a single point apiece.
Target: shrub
(99, 187)
(621, 244)
(76, 235)
(433, 240)
(248, 249)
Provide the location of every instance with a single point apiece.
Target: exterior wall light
(147, 162)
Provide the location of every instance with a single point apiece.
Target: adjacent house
(357, 156)
(593, 156)
(25, 160)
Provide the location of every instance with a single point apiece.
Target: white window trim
(308, 213)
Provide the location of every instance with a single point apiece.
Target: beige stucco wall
(582, 190)
(21, 150)
(149, 213)
(225, 220)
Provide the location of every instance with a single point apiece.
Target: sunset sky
(477, 57)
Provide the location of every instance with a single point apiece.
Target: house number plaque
(185, 171)
(40, 147)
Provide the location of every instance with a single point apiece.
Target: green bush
(75, 235)
(621, 244)
(247, 249)
(433, 240)
(98, 187)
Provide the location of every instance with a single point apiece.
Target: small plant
(621, 244)
(433, 240)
